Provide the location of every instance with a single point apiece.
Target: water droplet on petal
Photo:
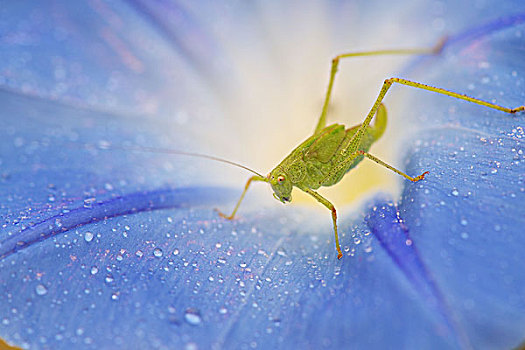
(193, 317)
(88, 202)
(41, 289)
(191, 346)
(88, 236)
(157, 252)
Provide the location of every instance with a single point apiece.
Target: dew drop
(94, 270)
(88, 236)
(139, 253)
(191, 346)
(109, 278)
(88, 202)
(281, 253)
(157, 252)
(176, 252)
(455, 192)
(41, 289)
(223, 310)
(193, 317)
(464, 222)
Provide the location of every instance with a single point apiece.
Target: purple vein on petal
(183, 32)
(185, 197)
(471, 34)
(393, 235)
(487, 28)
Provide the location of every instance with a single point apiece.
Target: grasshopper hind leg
(335, 64)
(380, 122)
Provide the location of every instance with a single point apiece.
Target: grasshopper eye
(280, 178)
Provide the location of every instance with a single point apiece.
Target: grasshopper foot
(420, 177)
(224, 216)
(439, 46)
(518, 109)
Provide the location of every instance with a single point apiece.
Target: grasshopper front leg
(330, 206)
(250, 180)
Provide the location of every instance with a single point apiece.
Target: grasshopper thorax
(281, 185)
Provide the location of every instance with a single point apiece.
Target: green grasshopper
(332, 151)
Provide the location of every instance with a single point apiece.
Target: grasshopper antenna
(107, 146)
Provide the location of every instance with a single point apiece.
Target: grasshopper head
(281, 185)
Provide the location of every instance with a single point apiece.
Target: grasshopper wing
(323, 145)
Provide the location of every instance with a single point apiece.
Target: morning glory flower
(104, 247)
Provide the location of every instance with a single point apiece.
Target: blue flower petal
(466, 218)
